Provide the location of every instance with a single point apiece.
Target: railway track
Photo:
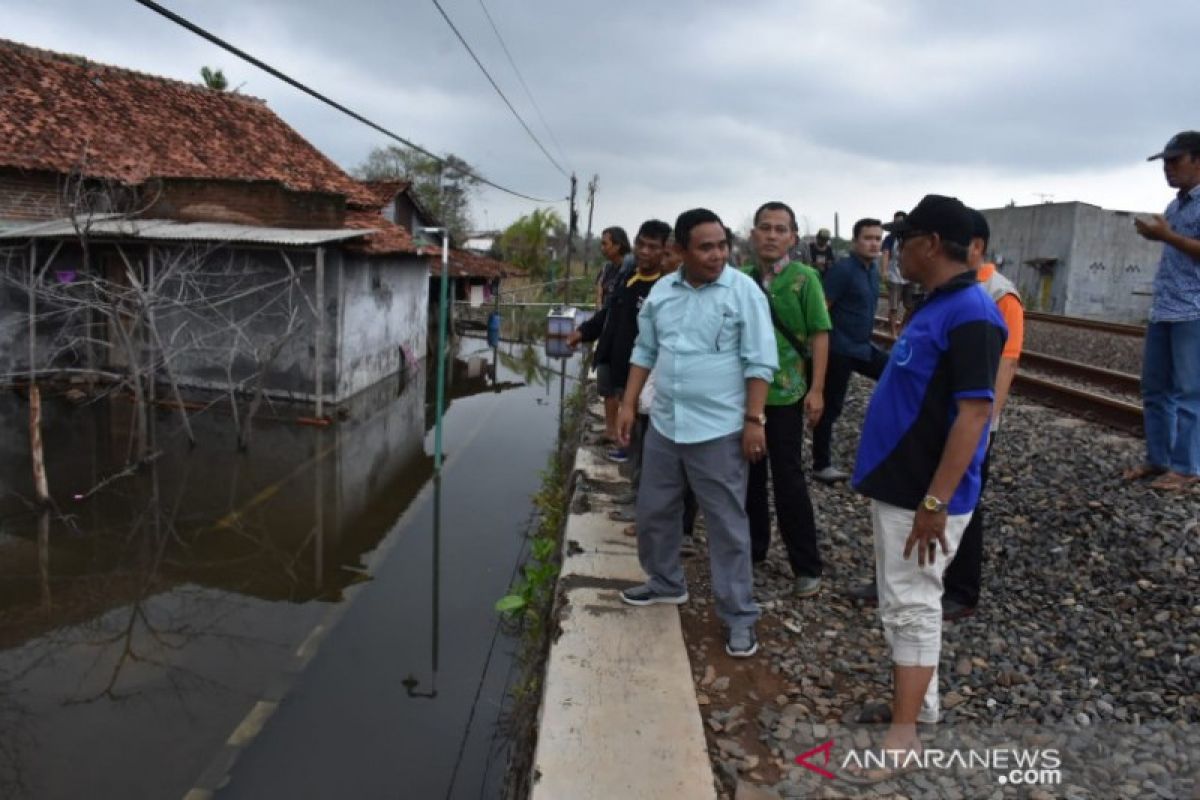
(1119, 328)
(1124, 415)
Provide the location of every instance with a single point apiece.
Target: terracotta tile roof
(58, 110)
(464, 264)
(390, 238)
(384, 191)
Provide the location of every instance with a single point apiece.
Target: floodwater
(323, 581)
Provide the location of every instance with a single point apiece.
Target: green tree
(527, 241)
(214, 79)
(443, 188)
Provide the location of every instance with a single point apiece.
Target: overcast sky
(854, 106)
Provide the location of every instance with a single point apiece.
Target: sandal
(1142, 471)
(1174, 482)
(869, 777)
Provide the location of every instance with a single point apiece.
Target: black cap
(945, 216)
(1180, 144)
(979, 226)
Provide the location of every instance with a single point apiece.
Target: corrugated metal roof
(164, 230)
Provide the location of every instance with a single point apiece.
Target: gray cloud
(856, 104)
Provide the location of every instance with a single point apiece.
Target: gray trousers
(717, 473)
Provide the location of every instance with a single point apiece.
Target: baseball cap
(936, 213)
(823, 233)
(1180, 144)
(979, 226)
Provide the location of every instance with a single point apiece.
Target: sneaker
(645, 596)
(618, 455)
(742, 643)
(830, 475)
(865, 593)
(952, 610)
(807, 585)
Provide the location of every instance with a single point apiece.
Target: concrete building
(1075, 259)
(164, 223)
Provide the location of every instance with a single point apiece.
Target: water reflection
(138, 626)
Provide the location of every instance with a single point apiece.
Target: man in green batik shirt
(798, 304)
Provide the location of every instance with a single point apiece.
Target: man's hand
(575, 338)
(754, 442)
(625, 418)
(814, 406)
(928, 529)
(1155, 228)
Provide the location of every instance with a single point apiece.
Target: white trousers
(910, 596)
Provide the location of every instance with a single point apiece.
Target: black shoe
(952, 610)
(865, 593)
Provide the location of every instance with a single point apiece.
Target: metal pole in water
(443, 303)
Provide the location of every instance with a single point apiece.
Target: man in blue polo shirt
(923, 441)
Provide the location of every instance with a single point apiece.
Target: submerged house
(147, 221)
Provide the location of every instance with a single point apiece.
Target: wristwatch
(757, 419)
(931, 503)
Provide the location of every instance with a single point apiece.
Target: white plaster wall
(1022, 233)
(378, 322)
(1112, 268)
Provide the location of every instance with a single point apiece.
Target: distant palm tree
(214, 79)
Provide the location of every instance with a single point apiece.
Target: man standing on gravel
(706, 331)
(923, 441)
(797, 305)
(1171, 364)
(852, 293)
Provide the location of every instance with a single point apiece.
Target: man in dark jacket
(614, 328)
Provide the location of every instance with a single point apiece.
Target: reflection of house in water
(291, 519)
(1075, 259)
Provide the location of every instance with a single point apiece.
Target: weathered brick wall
(28, 195)
(247, 203)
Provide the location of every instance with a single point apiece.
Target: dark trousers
(964, 573)
(793, 507)
(837, 380)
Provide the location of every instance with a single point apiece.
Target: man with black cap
(820, 252)
(1171, 363)
(922, 445)
(964, 574)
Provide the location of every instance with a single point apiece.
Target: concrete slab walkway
(619, 713)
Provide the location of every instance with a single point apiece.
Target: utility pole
(572, 227)
(587, 242)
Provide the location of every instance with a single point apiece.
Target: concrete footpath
(619, 716)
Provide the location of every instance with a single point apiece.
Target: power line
(495, 86)
(524, 85)
(219, 42)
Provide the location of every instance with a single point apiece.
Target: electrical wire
(524, 85)
(495, 86)
(219, 42)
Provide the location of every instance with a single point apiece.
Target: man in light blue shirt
(706, 331)
(1171, 364)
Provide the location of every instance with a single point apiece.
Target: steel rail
(1120, 328)
(1119, 414)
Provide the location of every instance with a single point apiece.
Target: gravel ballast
(1088, 633)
